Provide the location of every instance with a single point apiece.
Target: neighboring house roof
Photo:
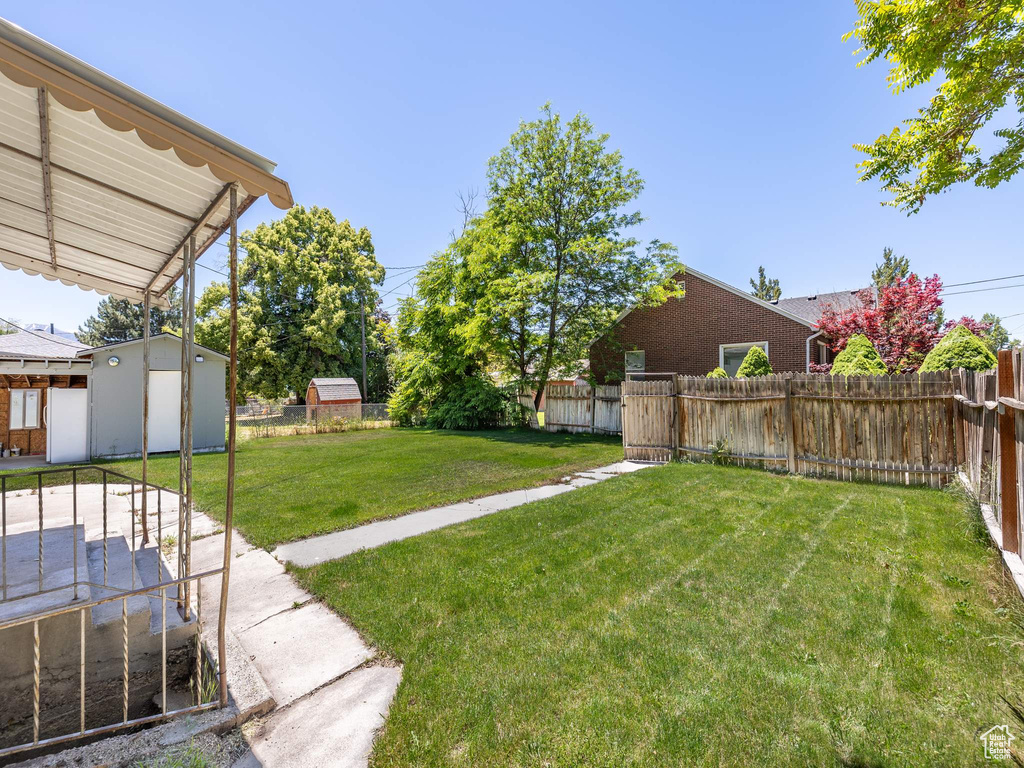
(739, 292)
(48, 328)
(38, 345)
(113, 345)
(811, 307)
(336, 389)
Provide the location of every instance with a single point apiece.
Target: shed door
(67, 425)
(164, 411)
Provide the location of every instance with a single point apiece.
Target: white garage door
(164, 411)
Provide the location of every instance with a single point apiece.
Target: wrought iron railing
(179, 584)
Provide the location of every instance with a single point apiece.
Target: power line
(390, 269)
(988, 280)
(982, 290)
(78, 347)
(381, 296)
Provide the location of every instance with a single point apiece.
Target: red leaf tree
(903, 324)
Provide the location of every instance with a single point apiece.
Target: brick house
(715, 324)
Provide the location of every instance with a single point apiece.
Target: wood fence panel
(608, 409)
(571, 408)
(889, 429)
(1018, 383)
(568, 408)
(975, 395)
(648, 420)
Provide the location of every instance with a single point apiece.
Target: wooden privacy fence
(978, 452)
(991, 410)
(891, 429)
(570, 408)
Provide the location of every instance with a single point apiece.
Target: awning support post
(189, 341)
(145, 416)
(229, 507)
(186, 274)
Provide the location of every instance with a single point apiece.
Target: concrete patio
(291, 661)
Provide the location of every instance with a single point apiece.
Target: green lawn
(292, 487)
(692, 615)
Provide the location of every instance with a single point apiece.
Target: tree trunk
(542, 381)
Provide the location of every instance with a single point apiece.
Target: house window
(635, 361)
(24, 409)
(730, 356)
(822, 352)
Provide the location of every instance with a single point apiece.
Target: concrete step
(22, 569)
(147, 563)
(121, 573)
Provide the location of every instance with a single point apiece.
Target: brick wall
(683, 335)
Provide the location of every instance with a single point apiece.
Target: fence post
(790, 431)
(1007, 454)
(676, 400)
(593, 407)
(959, 417)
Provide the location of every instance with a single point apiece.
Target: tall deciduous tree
(977, 49)
(301, 284)
(440, 378)
(764, 288)
(551, 253)
(891, 269)
(121, 320)
(996, 337)
(903, 323)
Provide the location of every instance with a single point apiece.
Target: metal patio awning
(103, 187)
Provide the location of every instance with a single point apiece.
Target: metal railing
(178, 584)
(6, 481)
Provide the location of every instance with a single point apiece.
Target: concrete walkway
(331, 691)
(331, 546)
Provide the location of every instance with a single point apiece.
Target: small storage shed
(341, 395)
(116, 408)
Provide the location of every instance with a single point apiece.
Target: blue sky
(740, 118)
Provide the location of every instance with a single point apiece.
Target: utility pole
(362, 331)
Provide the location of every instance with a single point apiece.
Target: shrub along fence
(890, 429)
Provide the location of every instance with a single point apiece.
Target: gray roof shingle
(811, 307)
(38, 345)
(337, 389)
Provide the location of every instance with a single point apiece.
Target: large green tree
(892, 269)
(121, 320)
(552, 254)
(765, 288)
(440, 378)
(996, 337)
(973, 52)
(302, 283)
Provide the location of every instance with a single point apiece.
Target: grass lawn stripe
(771, 649)
(294, 487)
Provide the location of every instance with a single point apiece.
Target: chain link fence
(272, 420)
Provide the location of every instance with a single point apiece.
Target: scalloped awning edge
(28, 69)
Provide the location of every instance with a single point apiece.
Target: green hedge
(754, 364)
(859, 358)
(959, 349)
(718, 373)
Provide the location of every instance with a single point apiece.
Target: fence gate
(649, 426)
